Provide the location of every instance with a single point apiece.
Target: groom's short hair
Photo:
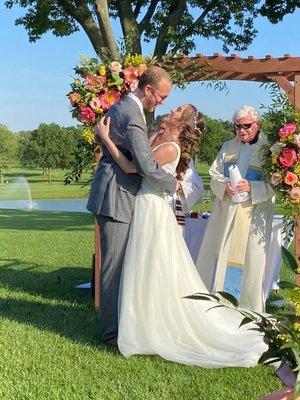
(152, 76)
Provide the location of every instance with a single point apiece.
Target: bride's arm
(102, 130)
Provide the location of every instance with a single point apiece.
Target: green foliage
(172, 25)
(277, 113)
(289, 259)
(281, 331)
(83, 160)
(49, 146)
(215, 134)
(9, 148)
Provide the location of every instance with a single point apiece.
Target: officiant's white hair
(244, 112)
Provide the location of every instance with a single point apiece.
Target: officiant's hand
(243, 186)
(230, 190)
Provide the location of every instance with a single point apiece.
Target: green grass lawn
(40, 187)
(49, 341)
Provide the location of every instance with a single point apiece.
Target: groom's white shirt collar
(138, 101)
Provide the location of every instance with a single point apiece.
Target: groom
(113, 192)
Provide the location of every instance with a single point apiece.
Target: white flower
(297, 140)
(276, 148)
(115, 66)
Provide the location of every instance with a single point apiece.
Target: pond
(65, 205)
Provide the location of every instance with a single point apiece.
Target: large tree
(50, 146)
(215, 134)
(172, 25)
(8, 149)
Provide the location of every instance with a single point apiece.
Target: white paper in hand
(234, 177)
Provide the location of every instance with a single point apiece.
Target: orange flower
(129, 75)
(140, 69)
(74, 98)
(109, 98)
(290, 179)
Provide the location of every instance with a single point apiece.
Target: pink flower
(276, 178)
(290, 178)
(287, 129)
(115, 66)
(109, 98)
(95, 103)
(87, 115)
(287, 157)
(134, 85)
(295, 193)
(140, 70)
(129, 75)
(94, 80)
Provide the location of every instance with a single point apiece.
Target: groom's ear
(147, 90)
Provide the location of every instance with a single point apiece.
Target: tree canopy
(49, 146)
(8, 149)
(171, 25)
(215, 134)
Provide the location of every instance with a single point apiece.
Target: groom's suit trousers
(113, 240)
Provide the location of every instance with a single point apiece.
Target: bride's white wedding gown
(154, 317)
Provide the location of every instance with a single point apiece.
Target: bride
(158, 272)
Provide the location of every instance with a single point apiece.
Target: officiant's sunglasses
(244, 126)
(162, 98)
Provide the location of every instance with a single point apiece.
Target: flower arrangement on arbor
(99, 86)
(284, 168)
(282, 157)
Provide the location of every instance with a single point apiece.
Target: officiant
(232, 256)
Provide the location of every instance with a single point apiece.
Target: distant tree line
(215, 134)
(52, 146)
(47, 147)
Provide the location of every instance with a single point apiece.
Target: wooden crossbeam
(250, 68)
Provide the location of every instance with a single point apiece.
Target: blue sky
(35, 77)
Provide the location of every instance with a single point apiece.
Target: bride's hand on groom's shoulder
(101, 130)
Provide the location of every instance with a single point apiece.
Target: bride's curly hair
(191, 124)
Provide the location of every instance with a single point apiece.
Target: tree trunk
(49, 175)
(106, 30)
(130, 28)
(1, 177)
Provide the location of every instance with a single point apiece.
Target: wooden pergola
(285, 71)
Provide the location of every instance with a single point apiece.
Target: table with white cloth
(195, 229)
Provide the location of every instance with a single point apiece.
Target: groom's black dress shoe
(111, 342)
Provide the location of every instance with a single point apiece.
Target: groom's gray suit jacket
(113, 191)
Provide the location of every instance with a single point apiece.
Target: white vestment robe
(192, 189)
(252, 238)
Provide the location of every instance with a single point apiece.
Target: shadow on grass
(56, 284)
(45, 221)
(76, 319)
